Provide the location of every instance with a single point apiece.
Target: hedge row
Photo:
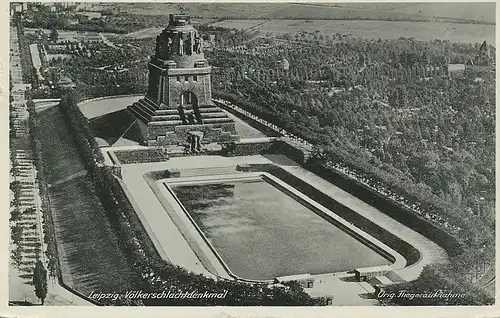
(81, 131)
(141, 156)
(41, 175)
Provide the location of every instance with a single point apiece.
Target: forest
(390, 111)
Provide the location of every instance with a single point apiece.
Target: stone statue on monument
(190, 43)
(181, 45)
(169, 46)
(198, 44)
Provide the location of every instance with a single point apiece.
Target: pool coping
(398, 261)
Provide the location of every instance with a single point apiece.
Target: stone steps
(144, 107)
(149, 104)
(138, 114)
(166, 122)
(214, 115)
(166, 117)
(167, 112)
(217, 120)
(210, 109)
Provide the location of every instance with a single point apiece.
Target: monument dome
(180, 43)
(178, 106)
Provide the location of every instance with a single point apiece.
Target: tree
(40, 281)
(54, 35)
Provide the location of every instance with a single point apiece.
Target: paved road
(19, 289)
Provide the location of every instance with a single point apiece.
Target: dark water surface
(262, 233)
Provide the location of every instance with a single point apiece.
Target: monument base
(164, 127)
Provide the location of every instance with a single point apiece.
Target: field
(66, 35)
(484, 12)
(454, 32)
(88, 249)
(479, 12)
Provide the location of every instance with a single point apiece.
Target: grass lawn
(90, 256)
(100, 107)
(58, 148)
(89, 253)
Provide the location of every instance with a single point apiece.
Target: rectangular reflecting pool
(261, 232)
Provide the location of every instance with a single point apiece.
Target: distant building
(482, 63)
(284, 64)
(73, 21)
(65, 82)
(88, 15)
(212, 39)
(68, 4)
(456, 69)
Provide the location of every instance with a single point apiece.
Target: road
(20, 287)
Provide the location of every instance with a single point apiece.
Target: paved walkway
(167, 238)
(170, 241)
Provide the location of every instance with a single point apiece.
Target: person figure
(181, 45)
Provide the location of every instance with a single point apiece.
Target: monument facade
(178, 107)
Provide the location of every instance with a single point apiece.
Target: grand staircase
(149, 113)
(167, 126)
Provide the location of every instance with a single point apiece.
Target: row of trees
(29, 141)
(35, 136)
(436, 279)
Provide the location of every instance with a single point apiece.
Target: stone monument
(178, 107)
